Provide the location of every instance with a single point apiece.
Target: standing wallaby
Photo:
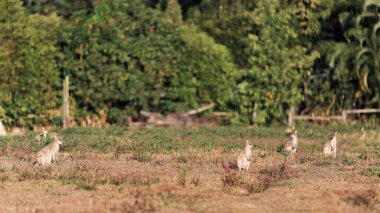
(330, 146)
(43, 135)
(244, 158)
(291, 144)
(50, 152)
(3, 132)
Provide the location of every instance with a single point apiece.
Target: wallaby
(291, 144)
(43, 135)
(330, 146)
(3, 132)
(50, 152)
(244, 158)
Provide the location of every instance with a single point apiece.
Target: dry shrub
(231, 176)
(304, 157)
(36, 174)
(279, 172)
(183, 176)
(268, 177)
(3, 179)
(129, 178)
(260, 184)
(231, 165)
(231, 179)
(198, 181)
(372, 172)
(142, 201)
(365, 198)
(142, 156)
(325, 161)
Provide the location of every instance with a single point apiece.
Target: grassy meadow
(192, 170)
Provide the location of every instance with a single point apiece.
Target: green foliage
(324, 90)
(64, 8)
(251, 58)
(277, 62)
(128, 57)
(358, 56)
(28, 68)
(309, 15)
(208, 82)
(2, 112)
(229, 22)
(373, 172)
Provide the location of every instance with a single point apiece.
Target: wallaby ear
(246, 141)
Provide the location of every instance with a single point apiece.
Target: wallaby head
(333, 135)
(58, 138)
(248, 144)
(293, 134)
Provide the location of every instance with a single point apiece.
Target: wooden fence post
(291, 115)
(66, 102)
(254, 114)
(344, 115)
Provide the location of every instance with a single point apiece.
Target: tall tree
(149, 58)
(229, 23)
(277, 62)
(28, 54)
(359, 55)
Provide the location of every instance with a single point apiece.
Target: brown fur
(49, 153)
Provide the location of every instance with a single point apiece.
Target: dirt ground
(191, 171)
(90, 182)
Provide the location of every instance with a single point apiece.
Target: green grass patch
(149, 141)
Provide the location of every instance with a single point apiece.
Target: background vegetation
(170, 56)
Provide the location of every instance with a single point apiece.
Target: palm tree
(361, 51)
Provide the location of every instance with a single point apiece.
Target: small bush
(268, 177)
(231, 177)
(196, 181)
(346, 160)
(326, 162)
(281, 148)
(3, 179)
(142, 157)
(119, 149)
(365, 198)
(182, 178)
(260, 185)
(85, 185)
(182, 159)
(230, 166)
(283, 171)
(37, 174)
(373, 172)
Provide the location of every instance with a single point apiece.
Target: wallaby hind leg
(239, 166)
(247, 165)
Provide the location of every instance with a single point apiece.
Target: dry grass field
(192, 170)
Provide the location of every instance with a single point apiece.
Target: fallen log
(173, 119)
(201, 109)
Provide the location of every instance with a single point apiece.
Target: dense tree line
(249, 57)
